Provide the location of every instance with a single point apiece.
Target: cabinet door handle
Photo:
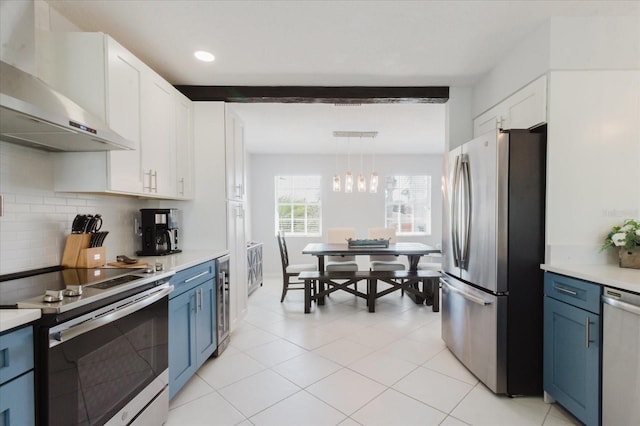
(198, 300)
(196, 276)
(150, 187)
(587, 332)
(181, 186)
(155, 181)
(565, 290)
(4, 357)
(5, 416)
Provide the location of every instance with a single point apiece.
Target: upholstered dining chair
(340, 263)
(433, 262)
(290, 271)
(384, 262)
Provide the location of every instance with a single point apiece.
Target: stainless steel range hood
(34, 114)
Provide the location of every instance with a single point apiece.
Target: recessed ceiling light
(204, 56)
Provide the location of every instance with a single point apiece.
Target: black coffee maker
(159, 231)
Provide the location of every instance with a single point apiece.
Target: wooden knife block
(77, 253)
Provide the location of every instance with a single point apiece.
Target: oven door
(100, 362)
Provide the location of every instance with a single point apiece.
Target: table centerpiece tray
(368, 243)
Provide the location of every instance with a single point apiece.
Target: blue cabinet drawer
(189, 278)
(17, 401)
(16, 353)
(579, 293)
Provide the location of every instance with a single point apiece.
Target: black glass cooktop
(14, 290)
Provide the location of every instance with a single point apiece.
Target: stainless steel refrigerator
(493, 245)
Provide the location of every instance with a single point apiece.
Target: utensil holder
(92, 257)
(74, 244)
(77, 253)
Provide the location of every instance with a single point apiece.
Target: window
(408, 204)
(298, 210)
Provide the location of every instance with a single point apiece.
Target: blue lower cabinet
(206, 341)
(572, 349)
(17, 401)
(182, 338)
(192, 324)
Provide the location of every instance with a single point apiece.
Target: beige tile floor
(341, 365)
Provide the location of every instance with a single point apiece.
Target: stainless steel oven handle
(469, 297)
(62, 336)
(621, 305)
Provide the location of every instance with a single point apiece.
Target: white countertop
(10, 318)
(184, 260)
(607, 275)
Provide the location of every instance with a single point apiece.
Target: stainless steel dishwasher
(620, 358)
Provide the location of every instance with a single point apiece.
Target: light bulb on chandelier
(362, 183)
(348, 182)
(373, 184)
(337, 186)
(348, 179)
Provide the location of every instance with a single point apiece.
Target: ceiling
(328, 43)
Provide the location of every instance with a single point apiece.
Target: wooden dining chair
(290, 271)
(384, 262)
(340, 263)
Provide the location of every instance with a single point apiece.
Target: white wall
(593, 170)
(595, 43)
(37, 219)
(359, 210)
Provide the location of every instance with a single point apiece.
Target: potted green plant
(626, 238)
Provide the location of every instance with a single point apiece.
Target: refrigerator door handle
(455, 206)
(465, 230)
(469, 297)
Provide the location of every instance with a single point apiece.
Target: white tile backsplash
(37, 219)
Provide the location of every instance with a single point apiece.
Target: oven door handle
(62, 336)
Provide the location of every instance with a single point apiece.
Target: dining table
(339, 280)
(413, 251)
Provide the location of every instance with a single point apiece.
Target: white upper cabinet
(184, 147)
(524, 109)
(102, 76)
(234, 153)
(158, 137)
(124, 90)
(97, 73)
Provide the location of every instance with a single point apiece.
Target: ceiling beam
(317, 94)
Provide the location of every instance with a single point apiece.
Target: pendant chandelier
(361, 183)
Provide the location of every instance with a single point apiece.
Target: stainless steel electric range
(101, 345)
